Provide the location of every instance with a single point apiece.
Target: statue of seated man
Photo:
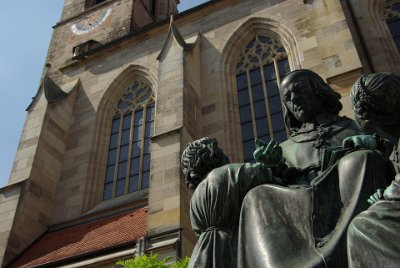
(372, 237)
(304, 224)
(311, 111)
(219, 190)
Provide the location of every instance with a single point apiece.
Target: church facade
(128, 83)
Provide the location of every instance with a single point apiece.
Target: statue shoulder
(222, 173)
(287, 144)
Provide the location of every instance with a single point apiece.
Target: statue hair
(199, 158)
(329, 97)
(376, 99)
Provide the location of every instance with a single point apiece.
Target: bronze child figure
(219, 190)
(372, 237)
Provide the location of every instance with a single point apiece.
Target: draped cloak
(373, 236)
(214, 212)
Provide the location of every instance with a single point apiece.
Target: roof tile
(85, 238)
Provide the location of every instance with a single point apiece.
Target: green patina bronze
(215, 204)
(304, 223)
(372, 237)
(293, 206)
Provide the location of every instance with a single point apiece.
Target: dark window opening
(83, 48)
(90, 3)
(393, 22)
(129, 153)
(153, 7)
(263, 64)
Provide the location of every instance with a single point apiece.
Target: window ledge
(121, 201)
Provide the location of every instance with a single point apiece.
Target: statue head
(199, 158)
(376, 101)
(305, 95)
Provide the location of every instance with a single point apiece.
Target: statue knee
(252, 197)
(361, 159)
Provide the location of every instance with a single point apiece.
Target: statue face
(372, 126)
(300, 99)
(360, 122)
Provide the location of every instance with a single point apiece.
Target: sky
(25, 31)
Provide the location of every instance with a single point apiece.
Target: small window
(129, 150)
(90, 3)
(85, 47)
(152, 8)
(263, 62)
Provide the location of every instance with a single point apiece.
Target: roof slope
(85, 238)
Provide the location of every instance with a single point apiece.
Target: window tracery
(262, 63)
(391, 15)
(128, 160)
(260, 51)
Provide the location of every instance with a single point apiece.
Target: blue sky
(25, 30)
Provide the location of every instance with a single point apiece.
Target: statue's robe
(306, 146)
(373, 237)
(305, 226)
(214, 212)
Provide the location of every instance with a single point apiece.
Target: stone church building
(128, 83)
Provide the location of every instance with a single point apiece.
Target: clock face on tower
(91, 22)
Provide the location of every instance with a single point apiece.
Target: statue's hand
(361, 141)
(377, 196)
(393, 191)
(271, 155)
(268, 153)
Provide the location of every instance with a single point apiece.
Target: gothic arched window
(262, 64)
(128, 161)
(392, 18)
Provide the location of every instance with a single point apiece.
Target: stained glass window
(262, 64)
(392, 17)
(128, 160)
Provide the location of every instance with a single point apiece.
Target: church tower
(96, 103)
(128, 83)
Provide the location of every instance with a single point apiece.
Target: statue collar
(320, 131)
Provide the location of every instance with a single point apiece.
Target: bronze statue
(292, 208)
(373, 234)
(311, 110)
(219, 190)
(304, 224)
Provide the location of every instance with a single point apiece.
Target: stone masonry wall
(36, 203)
(164, 200)
(9, 197)
(380, 48)
(321, 41)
